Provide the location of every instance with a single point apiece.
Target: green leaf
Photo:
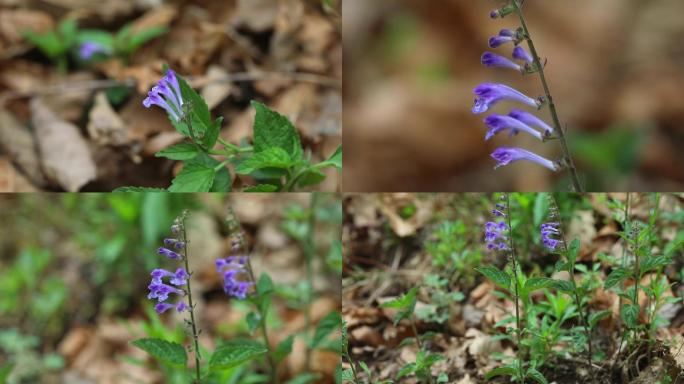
(262, 188)
(253, 321)
(406, 370)
(5, 372)
(180, 151)
(498, 277)
(654, 262)
(235, 352)
(329, 323)
(200, 110)
(138, 39)
(615, 277)
(541, 206)
(265, 285)
(166, 351)
(537, 376)
(273, 157)
(194, 177)
(48, 43)
(347, 375)
(102, 38)
(630, 314)
(536, 283)
(335, 160)
(405, 303)
(564, 285)
(212, 133)
(573, 250)
(304, 378)
(272, 129)
(312, 176)
(138, 189)
(595, 317)
(284, 348)
(501, 371)
(67, 31)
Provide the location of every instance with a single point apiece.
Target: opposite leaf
(500, 278)
(180, 151)
(272, 129)
(194, 177)
(273, 157)
(236, 352)
(166, 351)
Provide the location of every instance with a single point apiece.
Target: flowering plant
(276, 160)
(489, 94)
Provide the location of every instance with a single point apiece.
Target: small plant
(450, 252)
(441, 299)
(489, 94)
(89, 44)
(276, 160)
(405, 305)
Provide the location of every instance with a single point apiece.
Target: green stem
(309, 253)
(235, 148)
(195, 335)
(515, 277)
(625, 228)
(264, 330)
(552, 107)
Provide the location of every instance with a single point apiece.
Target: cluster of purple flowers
(547, 230)
(234, 271)
(496, 232)
(164, 282)
(489, 94)
(167, 95)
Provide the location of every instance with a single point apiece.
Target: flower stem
(515, 276)
(552, 107)
(191, 305)
(264, 331)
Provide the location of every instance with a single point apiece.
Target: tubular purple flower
(162, 291)
(495, 235)
(488, 94)
(180, 277)
(496, 41)
(162, 307)
(171, 79)
(168, 253)
(172, 100)
(90, 48)
(507, 155)
(548, 230)
(520, 53)
(498, 123)
(233, 268)
(530, 119)
(153, 98)
(493, 60)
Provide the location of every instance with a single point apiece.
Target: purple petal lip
(520, 53)
(496, 41)
(498, 123)
(507, 155)
(488, 94)
(530, 119)
(166, 94)
(493, 60)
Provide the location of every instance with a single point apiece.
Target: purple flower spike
(548, 230)
(520, 53)
(233, 268)
(495, 235)
(158, 274)
(162, 291)
(489, 94)
(180, 277)
(168, 253)
(89, 48)
(506, 155)
(166, 94)
(162, 307)
(530, 119)
(493, 60)
(498, 123)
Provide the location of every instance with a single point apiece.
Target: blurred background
(286, 54)
(74, 270)
(615, 69)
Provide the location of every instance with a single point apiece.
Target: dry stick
(515, 276)
(79, 86)
(195, 335)
(552, 107)
(583, 314)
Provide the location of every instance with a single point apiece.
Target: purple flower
(505, 35)
(493, 60)
(547, 230)
(174, 243)
(520, 53)
(166, 94)
(507, 155)
(530, 119)
(161, 291)
(233, 269)
(496, 235)
(89, 48)
(168, 253)
(498, 123)
(180, 277)
(489, 94)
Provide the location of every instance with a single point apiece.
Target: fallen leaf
(105, 126)
(19, 144)
(65, 155)
(256, 15)
(11, 180)
(216, 91)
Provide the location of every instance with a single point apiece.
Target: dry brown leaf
(216, 91)
(105, 126)
(19, 144)
(11, 180)
(256, 15)
(13, 22)
(156, 17)
(65, 155)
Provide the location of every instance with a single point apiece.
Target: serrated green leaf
(273, 157)
(536, 283)
(630, 314)
(500, 371)
(335, 160)
(595, 317)
(235, 352)
(573, 250)
(653, 263)
(498, 277)
(537, 376)
(311, 176)
(194, 177)
(200, 110)
(138, 189)
(329, 323)
(564, 285)
(272, 129)
(615, 277)
(212, 133)
(166, 351)
(180, 151)
(262, 188)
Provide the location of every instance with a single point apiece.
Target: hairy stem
(191, 305)
(515, 277)
(552, 107)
